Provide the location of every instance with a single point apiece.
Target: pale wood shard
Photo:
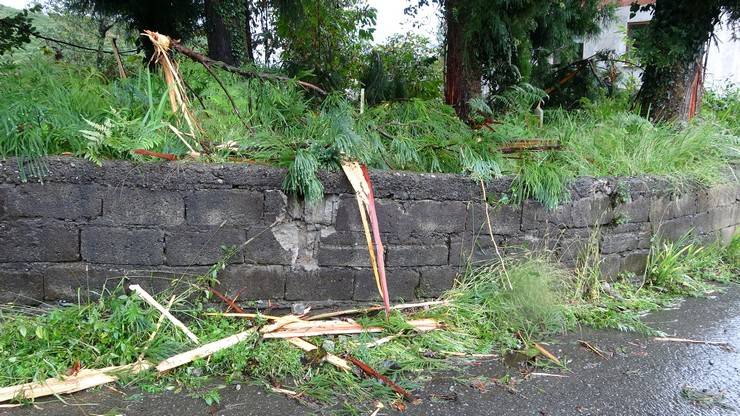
(84, 379)
(330, 358)
(381, 341)
(203, 351)
(279, 323)
(146, 297)
(723, 344)
(377, 308)
(547, 354)
(317, 328)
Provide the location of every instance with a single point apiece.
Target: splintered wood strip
(150, 300)
(376, 308)
(330, 358)
(203, 351)
(85, 379)
(279, 323)
(317, 328)
(319, 331)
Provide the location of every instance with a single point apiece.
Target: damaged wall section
(86, 226)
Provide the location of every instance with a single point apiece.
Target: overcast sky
(390, 20)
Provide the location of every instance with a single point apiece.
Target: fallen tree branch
(318, 328)
(593, 349)
(204, 60)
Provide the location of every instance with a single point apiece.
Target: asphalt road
(637, 376)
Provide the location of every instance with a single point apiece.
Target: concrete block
(23, 286)
(505, 219)
(432, 255)
(402, 285)
(253, 282)
(357, 256)
(324, 284)
(230, 207)
(32, 241)
(78, 281)
(111, 245)
(51, 200)
(436, 280)
(136, 206)
(277, 246)
(187, 246)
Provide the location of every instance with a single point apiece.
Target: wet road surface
(639, 376)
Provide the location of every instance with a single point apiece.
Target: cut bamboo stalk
(150, 300)
(376, 308)
(85, 379)
(318, 328)
(338, 362)
(203, 351)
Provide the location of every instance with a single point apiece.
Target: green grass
(490, 309)
(51, 107)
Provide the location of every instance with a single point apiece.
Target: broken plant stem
(146, 297)
(198, 57)
(156, 329)
(493, 239)
(694, 341)
(383, 379)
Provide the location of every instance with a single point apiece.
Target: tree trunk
(672, 93)
(673, 77)
(462, 76)
(248, 46)
(218, 34)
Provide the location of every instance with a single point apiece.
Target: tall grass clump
(485, 306)
(684, 267)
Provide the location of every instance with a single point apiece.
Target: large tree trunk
(218, 34)
(672, 93)
(462, 76)
(672, 80)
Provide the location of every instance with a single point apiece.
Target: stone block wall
(87, 226)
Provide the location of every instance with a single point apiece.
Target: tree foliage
(505, 42)
(16, 30)
(671, 48)
(406, 66)
(324, 39)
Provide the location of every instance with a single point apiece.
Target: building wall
(723, 62)
(86, 226)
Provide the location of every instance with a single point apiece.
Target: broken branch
(204, 60)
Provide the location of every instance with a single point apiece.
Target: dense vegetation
(490, 310)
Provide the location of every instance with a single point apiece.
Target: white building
(723, 62)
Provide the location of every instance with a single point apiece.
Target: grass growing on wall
(50, 107)
(489, 310)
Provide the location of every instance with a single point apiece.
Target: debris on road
(596, 350)
(722, 344)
